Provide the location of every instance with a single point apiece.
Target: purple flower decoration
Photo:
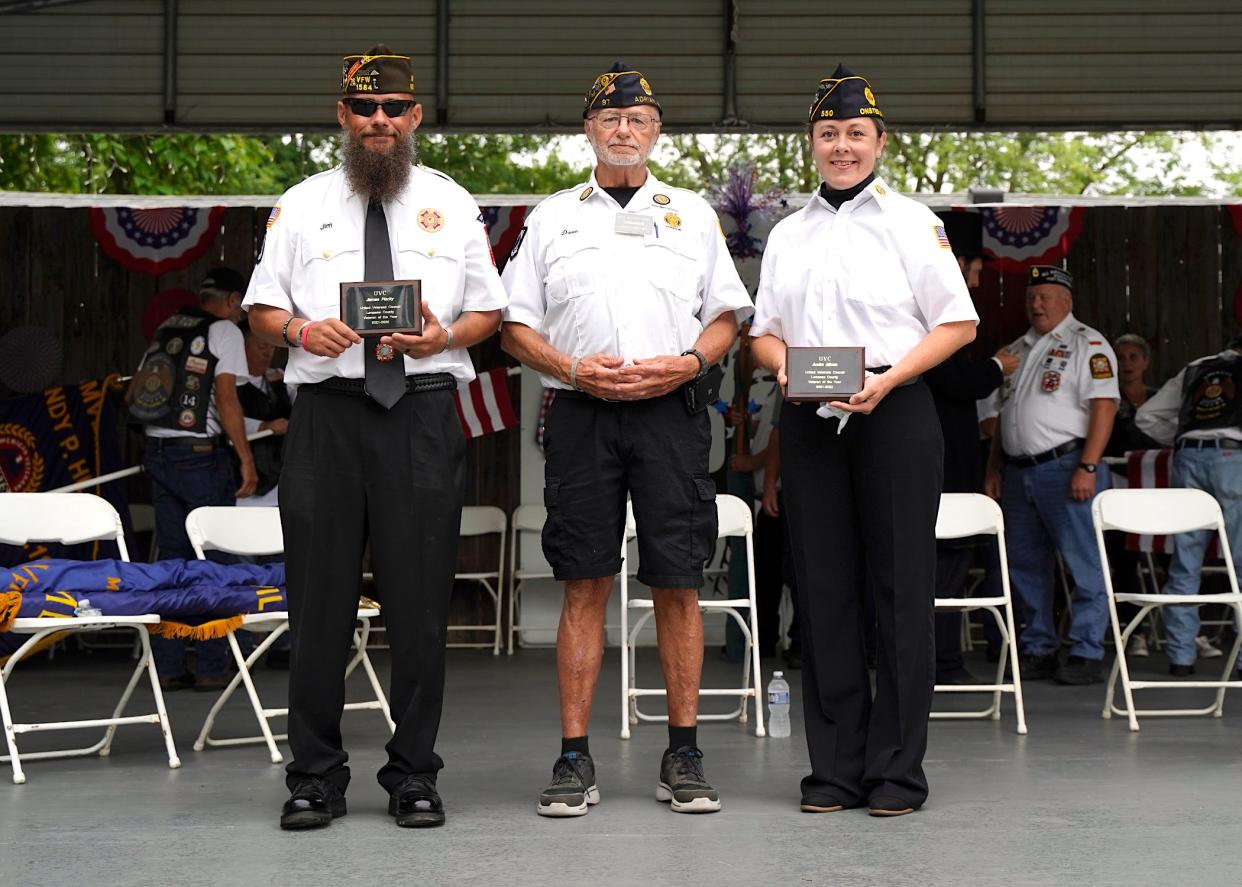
(738, 199)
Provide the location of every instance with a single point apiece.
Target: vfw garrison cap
(620, 87)
(378, 74)
(842, 96)
(1050, 274)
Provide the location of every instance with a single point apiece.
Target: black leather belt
(199, 444)
(1209, 443)
(415, 384)
(1071, 446)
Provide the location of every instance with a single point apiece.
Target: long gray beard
(379, 176)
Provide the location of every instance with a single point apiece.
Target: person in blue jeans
(185, 395)
(1199, 411)
(1056, 415)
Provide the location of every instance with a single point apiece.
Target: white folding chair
(1162, 512)
(735, 519)
(484, 520)
(71, 518)
(256, 532)
(963, 515)
(526, 519)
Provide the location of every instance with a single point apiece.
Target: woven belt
(1209, 443)
(416, 384)
(1071, 446)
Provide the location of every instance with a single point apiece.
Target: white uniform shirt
(1158, 416)
(227, 343)
(315, 243)
(588, 289)
(878, 272)
(1046, 402)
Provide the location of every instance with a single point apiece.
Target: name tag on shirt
(633, 223)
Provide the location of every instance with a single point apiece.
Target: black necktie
(384, 367)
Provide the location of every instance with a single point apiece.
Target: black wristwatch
(698, 355)
(1088, 467)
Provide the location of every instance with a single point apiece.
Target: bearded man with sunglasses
(623, 297)
(374, 450)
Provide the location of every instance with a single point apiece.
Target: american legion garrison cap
(620, 87)
(1050, 274)
(379, 73)
(842, 96)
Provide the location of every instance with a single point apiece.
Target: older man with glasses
(623, 297)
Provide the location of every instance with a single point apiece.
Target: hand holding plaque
(381, 307)
(823, 373)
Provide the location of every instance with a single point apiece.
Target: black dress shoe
(314, 803)
(177, 682)
(416, 804)
(1079, 670)
(888, 806)
(1035, 667)
(1181, 671)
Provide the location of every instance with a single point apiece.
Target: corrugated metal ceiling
(523, 65)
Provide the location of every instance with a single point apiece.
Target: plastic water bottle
(778, 706)
(84, 608)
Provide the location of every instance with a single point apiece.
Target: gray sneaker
(572, 788)
(683, 783)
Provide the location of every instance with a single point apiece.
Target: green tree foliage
(1120, 164)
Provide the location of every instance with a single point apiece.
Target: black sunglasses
(392, 107)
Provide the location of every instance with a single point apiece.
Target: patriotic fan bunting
(1020, 236)
(155, 241)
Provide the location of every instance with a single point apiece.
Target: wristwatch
(698, 355)
(1088, 467)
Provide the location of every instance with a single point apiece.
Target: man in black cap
(623, 296)
(375, 450)
(185, 395)
(956, 385)
(1056, 415)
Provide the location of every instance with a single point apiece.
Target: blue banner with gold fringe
(195, 599)
(55, 438)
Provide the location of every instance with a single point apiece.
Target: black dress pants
(952, 568)
(862, 515)
(354, 471)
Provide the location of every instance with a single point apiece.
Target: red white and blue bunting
(1021, 236)
(157, 240)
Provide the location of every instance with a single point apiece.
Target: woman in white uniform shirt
(863, 266)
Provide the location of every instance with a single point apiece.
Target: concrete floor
(1078, 801)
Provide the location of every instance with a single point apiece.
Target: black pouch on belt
(703, 391)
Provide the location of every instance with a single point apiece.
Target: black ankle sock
(575, 743)
(681, 736)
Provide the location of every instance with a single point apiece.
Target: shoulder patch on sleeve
(1101, 366)
(941, 237)
(517, 243)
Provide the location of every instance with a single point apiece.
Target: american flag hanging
(1153, 469)
(503, 224)
(484, 405)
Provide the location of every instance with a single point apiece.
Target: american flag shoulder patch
(941, 237)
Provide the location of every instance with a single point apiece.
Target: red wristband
(303, 332)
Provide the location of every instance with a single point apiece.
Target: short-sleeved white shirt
(877, 272)
(1046, 402)
(226, 342)
(588, 289)
(314, 244)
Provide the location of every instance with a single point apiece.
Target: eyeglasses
(637, 122)
(367, 107)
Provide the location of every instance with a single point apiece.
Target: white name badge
(633, 223)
